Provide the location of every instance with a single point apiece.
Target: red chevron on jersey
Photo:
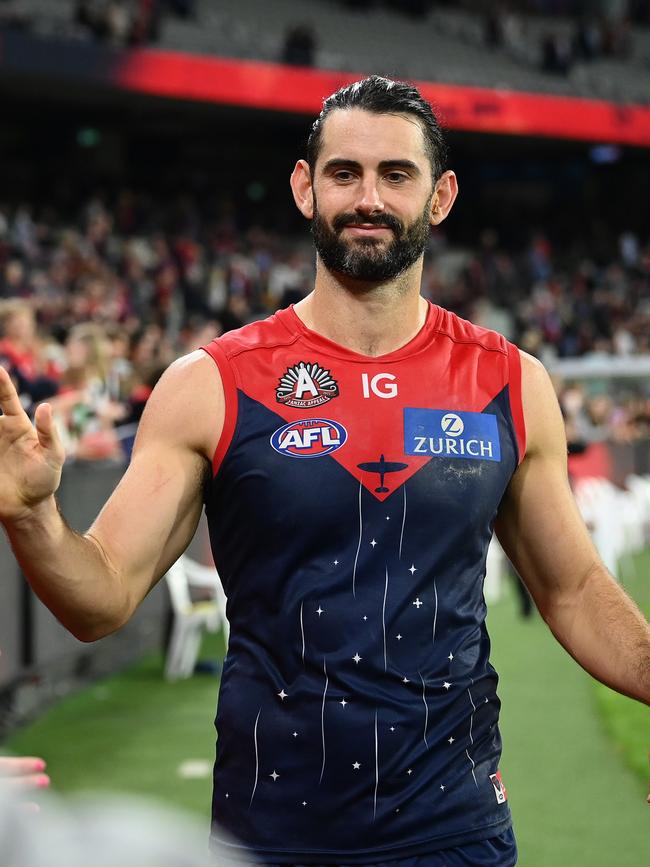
(425, 401)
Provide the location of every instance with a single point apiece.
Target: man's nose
(369, 201)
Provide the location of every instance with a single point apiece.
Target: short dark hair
(383, 96)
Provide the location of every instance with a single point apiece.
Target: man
(353, 453)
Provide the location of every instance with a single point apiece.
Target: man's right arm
(93, 582)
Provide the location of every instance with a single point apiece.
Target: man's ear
(301, 187)
(444, 196)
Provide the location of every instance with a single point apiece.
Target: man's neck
(372, 320)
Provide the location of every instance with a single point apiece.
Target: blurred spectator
(85, 410)
(123, 22)
(493, 27)
(91, 311)
(557, 54)
(299, 46)
(588, 39)
(20, 353)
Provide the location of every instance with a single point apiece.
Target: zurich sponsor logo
(444, 434)
(309, 438)
(452, 424)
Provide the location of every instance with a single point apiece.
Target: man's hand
(31, 457)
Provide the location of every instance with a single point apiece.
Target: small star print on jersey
(357, 716)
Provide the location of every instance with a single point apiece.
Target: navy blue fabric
(500, 851)
(358, 709)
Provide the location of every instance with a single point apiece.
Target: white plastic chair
(495, 568)
(192, 618)
(615, 519)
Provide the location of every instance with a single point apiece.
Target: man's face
(372, 195)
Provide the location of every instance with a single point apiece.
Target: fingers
(9, 401)
(46, 431)
(31, 781)
(24, 772)
(20, 766)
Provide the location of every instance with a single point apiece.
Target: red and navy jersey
(350, 514)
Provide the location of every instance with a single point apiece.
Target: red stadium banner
(284, 88)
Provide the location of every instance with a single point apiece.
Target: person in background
(84, 406)
(21, 352)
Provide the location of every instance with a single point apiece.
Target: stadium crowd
(93, 310)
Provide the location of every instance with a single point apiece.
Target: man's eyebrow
(342, 163)
(408, 165)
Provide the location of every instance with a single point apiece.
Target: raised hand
(31, 457)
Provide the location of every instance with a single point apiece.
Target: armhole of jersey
(516, 406)
(230, 396)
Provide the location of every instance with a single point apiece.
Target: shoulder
(544, 423)
(533, 372)
(264, 333)
(186, 408)
(463, 331)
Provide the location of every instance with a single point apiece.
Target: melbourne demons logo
(306, 385)
(309, 438)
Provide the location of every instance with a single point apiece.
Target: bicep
(153, 513)
(539, 524)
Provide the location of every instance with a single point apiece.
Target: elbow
(94, 628)
(89, 635)
(562, 607)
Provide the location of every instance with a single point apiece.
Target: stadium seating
(447, 45)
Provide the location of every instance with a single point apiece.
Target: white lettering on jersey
(305, 384)
(382, 385)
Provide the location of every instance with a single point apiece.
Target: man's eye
(343, 175)
(396, 177)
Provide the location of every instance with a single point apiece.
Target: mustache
(342, 220)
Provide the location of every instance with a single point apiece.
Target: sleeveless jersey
(350, 514)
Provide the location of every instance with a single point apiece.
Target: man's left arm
(543, 534)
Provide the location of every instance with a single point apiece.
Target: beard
(370, 259)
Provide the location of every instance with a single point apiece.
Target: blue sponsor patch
(309, 438)
(443, 433)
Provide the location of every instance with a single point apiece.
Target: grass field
(627, 722)
(574, 760)
(574, 800)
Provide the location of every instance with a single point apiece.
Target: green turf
(573, 799)
(628, 722)
(575, 802)
(130, 733)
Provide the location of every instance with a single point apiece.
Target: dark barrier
(42, 660)
(11, 612)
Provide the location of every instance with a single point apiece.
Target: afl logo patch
(309, 438)
(306, 385)
(452, 424)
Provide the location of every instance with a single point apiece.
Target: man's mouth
(367, 228)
